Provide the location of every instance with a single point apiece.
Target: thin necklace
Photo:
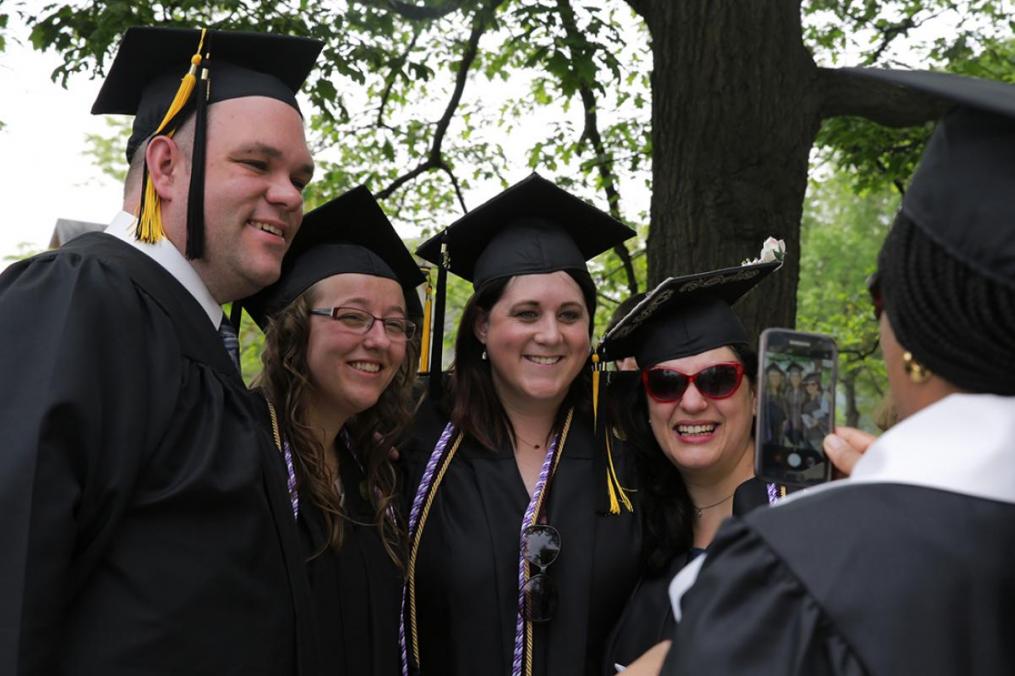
(526, 441)
(698, 510)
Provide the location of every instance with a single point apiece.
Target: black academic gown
(647, 618)
(357, 590)
(863, 579)
(142, 508)
(467, 568)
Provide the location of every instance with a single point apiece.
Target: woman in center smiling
(517, 563)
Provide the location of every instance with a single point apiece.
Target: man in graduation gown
(146, 528)
(906, 567)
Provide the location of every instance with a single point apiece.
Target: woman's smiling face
(701, 435)
(536, 338)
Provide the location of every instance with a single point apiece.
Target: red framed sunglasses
(717, 381)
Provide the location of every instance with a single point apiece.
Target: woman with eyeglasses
(340, 359)
(517, 563)
(691, 425)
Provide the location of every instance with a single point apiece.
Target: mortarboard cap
(162, 75)
(960, 194)
(349, 234)
(533, 227)
(684, 316)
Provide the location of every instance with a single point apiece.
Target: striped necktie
(230, 340)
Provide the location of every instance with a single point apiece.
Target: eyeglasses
(874, 288)
(540, 547)
(359, 321)
(717, 381)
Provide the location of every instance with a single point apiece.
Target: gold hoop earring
(917, 372)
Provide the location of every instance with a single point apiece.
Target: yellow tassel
(424, 341)
(149, 224)
(595, 390)
(612, 479)
(614, 504)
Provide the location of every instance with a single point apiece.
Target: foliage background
(438, 104)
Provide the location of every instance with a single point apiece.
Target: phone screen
(796, 406)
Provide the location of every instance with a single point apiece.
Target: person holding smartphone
(904, 568)
(691, 428)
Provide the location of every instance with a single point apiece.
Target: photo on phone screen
(796, 406)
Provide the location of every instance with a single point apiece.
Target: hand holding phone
(796, 406)
(845, 446)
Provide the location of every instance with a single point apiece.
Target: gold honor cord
(414, 546)
(535, 518)
(418, 536)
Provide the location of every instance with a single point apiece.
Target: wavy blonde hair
(284, 381)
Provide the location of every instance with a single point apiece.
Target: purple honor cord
(417, 505)
(773, 494)
(527, 520)
(294, 496)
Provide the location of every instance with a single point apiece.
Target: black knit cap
(948, 265)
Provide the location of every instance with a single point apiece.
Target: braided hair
(956, 321)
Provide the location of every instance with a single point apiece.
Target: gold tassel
(595, 391)
(424, 341)
(149, 223)
(612, 480)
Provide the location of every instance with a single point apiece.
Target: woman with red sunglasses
(692, 431)
(906, 566)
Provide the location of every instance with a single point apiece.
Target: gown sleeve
(76, 410)
(747, 613)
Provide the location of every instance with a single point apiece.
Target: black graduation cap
(349, 234)
(533, 227)
(684, 316)
(161, 75)
(961, 193)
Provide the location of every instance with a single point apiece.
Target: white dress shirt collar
(964, 443)
(169, 257)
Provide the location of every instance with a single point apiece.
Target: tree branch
(454, 182)
(396, 68)
(640, 7)
(590, 132)
(845, 93)
(435, 157)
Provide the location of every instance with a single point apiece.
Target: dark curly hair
(956, 321)
(475, 408)
(373, 432)
(667, 510)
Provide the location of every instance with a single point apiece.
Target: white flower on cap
(773, 250)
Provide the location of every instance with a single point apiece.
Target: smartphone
(796, 406)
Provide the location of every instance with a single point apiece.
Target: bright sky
(44, 173)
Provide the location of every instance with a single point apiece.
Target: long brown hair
(285, 383)
(476, 409)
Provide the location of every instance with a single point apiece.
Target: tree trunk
(736, 106)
